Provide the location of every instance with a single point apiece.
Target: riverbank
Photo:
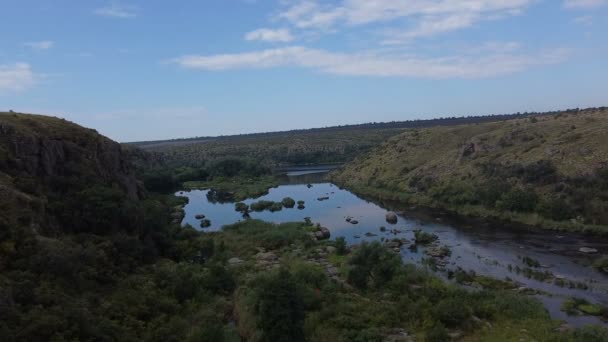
(326, 291)
(527, 220)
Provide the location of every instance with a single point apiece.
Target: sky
(146, 70)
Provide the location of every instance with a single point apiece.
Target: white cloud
(16, 77)
(117, 11)
(584, 20)
(430, 26)
(425, 17)
(42, 45)
(584, 4)
(269, 35)
(379, 64)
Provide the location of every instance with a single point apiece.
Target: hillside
(329, 145)
(550, 171)
(43, 159)
(85, 253)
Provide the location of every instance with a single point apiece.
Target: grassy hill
(550, 170)
(329, 145)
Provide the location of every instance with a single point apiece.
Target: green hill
(85, 253)
(550, 171)
(328, 145)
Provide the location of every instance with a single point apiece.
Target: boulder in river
(391, 217)
(587, 250)
(322, 234)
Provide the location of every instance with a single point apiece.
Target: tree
(280, 308)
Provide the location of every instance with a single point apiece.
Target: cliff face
(40, 155)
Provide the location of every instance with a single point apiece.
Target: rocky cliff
(44, 157)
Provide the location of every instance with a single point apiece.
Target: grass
(241, 188)
(579, 306)
(545, 174)
(601, 264)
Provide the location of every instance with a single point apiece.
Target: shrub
(276, 206)
(518, 199)
(372, 266)
(279, 308)
(241, 207)
(261, 205)
(454, 311)
(341, 247)
(424, 238)
(288, 202)
(601, 264)
(554, 209)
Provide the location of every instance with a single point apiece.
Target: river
(490, 249)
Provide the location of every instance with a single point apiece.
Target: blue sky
(138, 70)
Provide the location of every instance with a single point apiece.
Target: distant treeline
(443, 121)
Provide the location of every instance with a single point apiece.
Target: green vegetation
(601, 264)
(472, 279)
(87, 254)
(372, 296)
(288, 202)
(236, 188)
(578, 306)
(550, 174)
(329, 145)
(424, 238)
(277, 149)
(530, 262)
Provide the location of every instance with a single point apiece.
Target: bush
(276, 206)
(241, 207)
(601, 264)
(340, 244)
(554, 209)
(279, 308)
(454, 311)
(261, 205)
(424, 238)
(288, 202)
(518, 199)
(372, 266)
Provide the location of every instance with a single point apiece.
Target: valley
(233, 247)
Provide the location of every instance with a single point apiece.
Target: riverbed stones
(587, 250)
(398, 335)
(396, 243)
(234, 261)
(391, 217)
(322, 234)
(266, 256)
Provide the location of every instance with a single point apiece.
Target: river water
(487, 248)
